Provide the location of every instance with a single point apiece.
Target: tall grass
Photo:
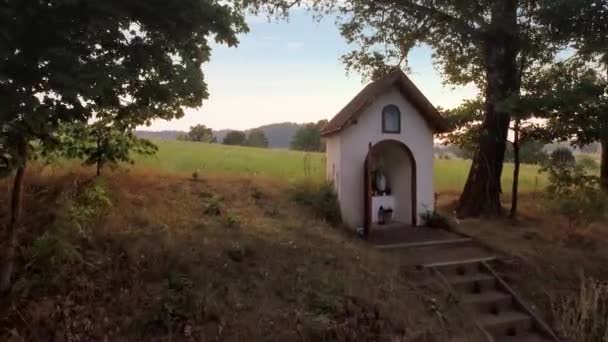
(583, 317)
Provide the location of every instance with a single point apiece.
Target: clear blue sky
(291, 71)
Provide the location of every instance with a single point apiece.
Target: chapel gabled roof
(351, 112)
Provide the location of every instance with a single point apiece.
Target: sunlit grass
(188, 157)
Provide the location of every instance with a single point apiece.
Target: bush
(434, 219)
(62, 242)
(575, 194)
(321, 198)
(562, 156)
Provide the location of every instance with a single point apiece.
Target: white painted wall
(332, 153)
(346, 152)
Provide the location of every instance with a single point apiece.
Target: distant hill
(279, 135)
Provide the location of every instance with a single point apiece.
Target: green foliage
(466, 121)
(573, 99)
(101, 143)
(60, 243)
(530, 152)
(9, 158)
(581, 23)
(235, 138)
(562, 156)
(131, 60)
(199, 133)
(179, 302)
(321, 198)
(574, 193)
(232, 222)
(308, 137)
(434, 219)
(214, 206)
(257, 138)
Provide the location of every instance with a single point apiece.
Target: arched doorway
(395, 203)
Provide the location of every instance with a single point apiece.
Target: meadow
(188, 157)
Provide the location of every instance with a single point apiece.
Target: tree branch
(441, 16)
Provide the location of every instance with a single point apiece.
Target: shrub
(59, 244)
(582, 317)
(575, 194)
(434, 219)
(562, 156)
(321, 198)
(213, 206)
(232, 221)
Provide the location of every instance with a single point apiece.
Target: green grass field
(187, 157)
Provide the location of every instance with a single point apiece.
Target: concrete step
(493, 302)
(508, 323)
(472, 283)
(459, 269)
(529, 337)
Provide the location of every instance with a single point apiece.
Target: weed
(256, 194)
(321, 198)
(232, 222)
(58, 243)
(214, 206)
(238, 253)
(434, 219)
(177, 305)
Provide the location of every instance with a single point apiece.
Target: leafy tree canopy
(200, 133)
(100, 143)
(530, 152)
(563, 156)
(65, 60)
(257, 138)
(308, 137)
(235, 138)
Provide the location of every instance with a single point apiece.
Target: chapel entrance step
(493, 306)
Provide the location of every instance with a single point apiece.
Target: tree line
(306, 138)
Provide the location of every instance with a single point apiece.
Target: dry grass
(582, 317)
(159, 264)
(547, 256)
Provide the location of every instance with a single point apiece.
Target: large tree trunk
(516, 165)
(481, 195)
(604, 165)
(6, 272)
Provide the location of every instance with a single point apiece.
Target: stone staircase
(497, 310)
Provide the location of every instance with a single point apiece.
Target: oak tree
(584, 25)
(64, 61)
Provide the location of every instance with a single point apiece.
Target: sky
(291, 71)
